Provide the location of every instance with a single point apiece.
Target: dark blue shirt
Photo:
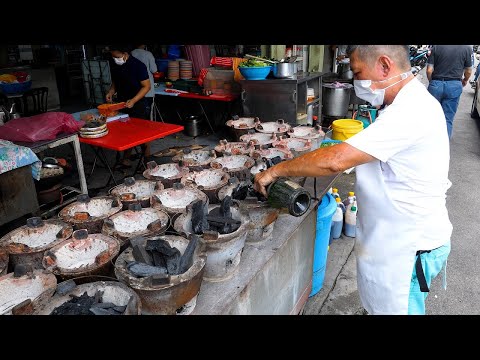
(127, 77)
(449, 61)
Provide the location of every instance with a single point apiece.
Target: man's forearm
(323, 162)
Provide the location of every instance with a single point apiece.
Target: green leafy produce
(253, 63)
(329, 143)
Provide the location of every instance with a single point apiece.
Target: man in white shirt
(402, 162)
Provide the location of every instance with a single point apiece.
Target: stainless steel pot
(193, 125)
(344, 72)
(336, 100)
(284, 70)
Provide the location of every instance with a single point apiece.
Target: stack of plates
(173, 70)
(185, 69)
(93, 130)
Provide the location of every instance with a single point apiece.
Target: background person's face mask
(119, 61)
(374, 97)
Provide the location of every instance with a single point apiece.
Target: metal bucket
(336, 100)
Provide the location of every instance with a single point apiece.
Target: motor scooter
(419, 57)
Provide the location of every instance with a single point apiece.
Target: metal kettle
(13, 113)
(4, 114)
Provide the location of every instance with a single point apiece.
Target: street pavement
(339, 295)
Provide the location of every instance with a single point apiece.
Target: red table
(161, 90)
(126, 133)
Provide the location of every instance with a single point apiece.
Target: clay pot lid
(207, 179)
(90, 209)
(84, 252)
(165, 171)
(135, 220)
(243, 122)
(37, 235)
(33, 285)
(142, 189)
(178, 197)
(279, 126)
(195, 157)
(233, 162)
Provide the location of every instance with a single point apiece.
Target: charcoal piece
(81, 234)
(141, 255)
(219, 220)
(223, 225)
(129, 181)
(158, 259)
(151, 165)
(106, 305)
(158, 279)
(137, 240)
(120, 309)
(199, 220)
(143, 270)
(65, 287)
(130, 307)
(100, 311)
(160, 245)
(240, 192)
(173, 262)
(98, 296)
(276, 160)
(115, 203)
(78, 305)
(135, 207)
(186, 260)
(34, 222)
(225, 207)
(19, 270)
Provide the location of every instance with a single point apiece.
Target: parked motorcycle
(419, 57)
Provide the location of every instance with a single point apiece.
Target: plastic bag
(44, 126)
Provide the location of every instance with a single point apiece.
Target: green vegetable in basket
(253, 63)
(328, 143)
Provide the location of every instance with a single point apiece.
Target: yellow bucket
(345, 128)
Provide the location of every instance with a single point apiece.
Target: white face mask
(374, 97)
(119, 61)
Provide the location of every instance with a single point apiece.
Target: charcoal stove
(314, 134)
(236, 165)
(135, 222)
(259, 139)
(3, 261)
(135, 191)
(89, 213)
(175, 200)
(83, 255)
(111, 292)
(38, 286)
(297, 146)
(168, 174)
(209, 181)
(241, 125)
(270, 153)
(27, 243)
(279, 127)
(177, 295)
(223, 250)
(195, 158)
(234, 148)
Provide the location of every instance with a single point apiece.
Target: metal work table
(275, 276)
(62, 139)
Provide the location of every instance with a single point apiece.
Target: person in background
(148, 59)
(403, 231)
(145, 56)
(448, 69)
(130, 82)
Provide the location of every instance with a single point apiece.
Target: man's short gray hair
(369, 53)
